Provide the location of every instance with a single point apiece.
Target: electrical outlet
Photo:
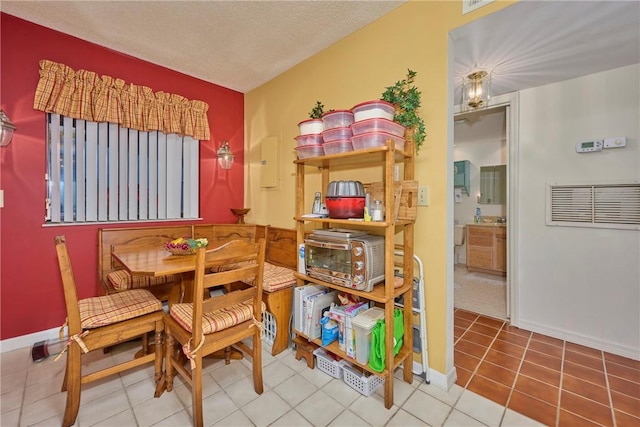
(423, 196)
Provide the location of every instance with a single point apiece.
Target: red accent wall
(31, 298)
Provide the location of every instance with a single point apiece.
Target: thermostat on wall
(589, 146)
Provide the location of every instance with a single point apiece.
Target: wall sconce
(225, 156)
(6, 129)
(476, 89)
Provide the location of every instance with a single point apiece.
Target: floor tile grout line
(564, 351)
(515, 378)
(606, 380)
(473, 373)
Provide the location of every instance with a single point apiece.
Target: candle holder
(240, 213)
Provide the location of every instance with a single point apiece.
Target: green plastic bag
(377, 354)
(398, 330)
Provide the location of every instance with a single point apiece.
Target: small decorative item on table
(186, 246)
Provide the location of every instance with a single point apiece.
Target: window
(599, 206)
(102, 172)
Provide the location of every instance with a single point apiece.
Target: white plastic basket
(269, 328)
(326, 364)
(361, 382)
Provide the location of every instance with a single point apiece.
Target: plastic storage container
(363, 323)
(343, 132)
(377, 124)
(311, 126)
(365, 383)
(375, 139)
(373, 109)
(326, 364)
(337, 147)
(309, 138)
(307, 151)
(337, 118)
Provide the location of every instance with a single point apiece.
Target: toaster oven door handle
(328, 244)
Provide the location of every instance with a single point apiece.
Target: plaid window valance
(85, 95)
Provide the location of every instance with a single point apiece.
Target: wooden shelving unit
(383, 294)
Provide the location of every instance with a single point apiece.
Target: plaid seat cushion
(121, 280)
(274, 277)
(105, 310)
(215, 320)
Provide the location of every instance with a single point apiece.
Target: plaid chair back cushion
(113, 308)
(121, 280)
(215, 320)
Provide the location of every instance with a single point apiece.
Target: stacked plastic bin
(337, 131)
(310, 138)
(373, 125)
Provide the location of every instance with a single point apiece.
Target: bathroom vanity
(487, 248)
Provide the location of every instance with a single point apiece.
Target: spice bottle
(377, 211)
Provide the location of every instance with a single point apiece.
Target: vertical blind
(99, 172)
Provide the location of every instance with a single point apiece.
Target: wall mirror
(493, 185)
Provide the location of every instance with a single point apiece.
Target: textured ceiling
(243, 44)
(534, 43)
(236, 44)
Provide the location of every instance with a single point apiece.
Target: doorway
(480, 144)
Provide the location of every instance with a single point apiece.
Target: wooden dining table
(157, 262)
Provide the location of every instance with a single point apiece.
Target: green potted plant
(314, 124)
(406, 97)
(317, 111)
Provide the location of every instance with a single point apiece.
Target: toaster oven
(348, 258)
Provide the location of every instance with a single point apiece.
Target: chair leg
(158, 350)
(65, 379)
(257, 362)
(145, 344)
(168, 359)
(196, 392)
(73, 385)
(227, 355)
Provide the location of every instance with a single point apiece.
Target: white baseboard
(598, 344)
(28, 340)
(442, 381)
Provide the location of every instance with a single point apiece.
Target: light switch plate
(423, 196)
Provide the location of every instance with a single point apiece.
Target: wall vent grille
(598, 205)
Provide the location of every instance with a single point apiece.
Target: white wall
(579, 284)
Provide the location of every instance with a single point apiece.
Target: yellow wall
(354, 70)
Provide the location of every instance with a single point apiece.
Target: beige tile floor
(294, 395)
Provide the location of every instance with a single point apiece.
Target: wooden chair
(207, 326)
(99, 322)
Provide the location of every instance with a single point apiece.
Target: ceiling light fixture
(225, 156)
(6, 129)
(476, 89)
